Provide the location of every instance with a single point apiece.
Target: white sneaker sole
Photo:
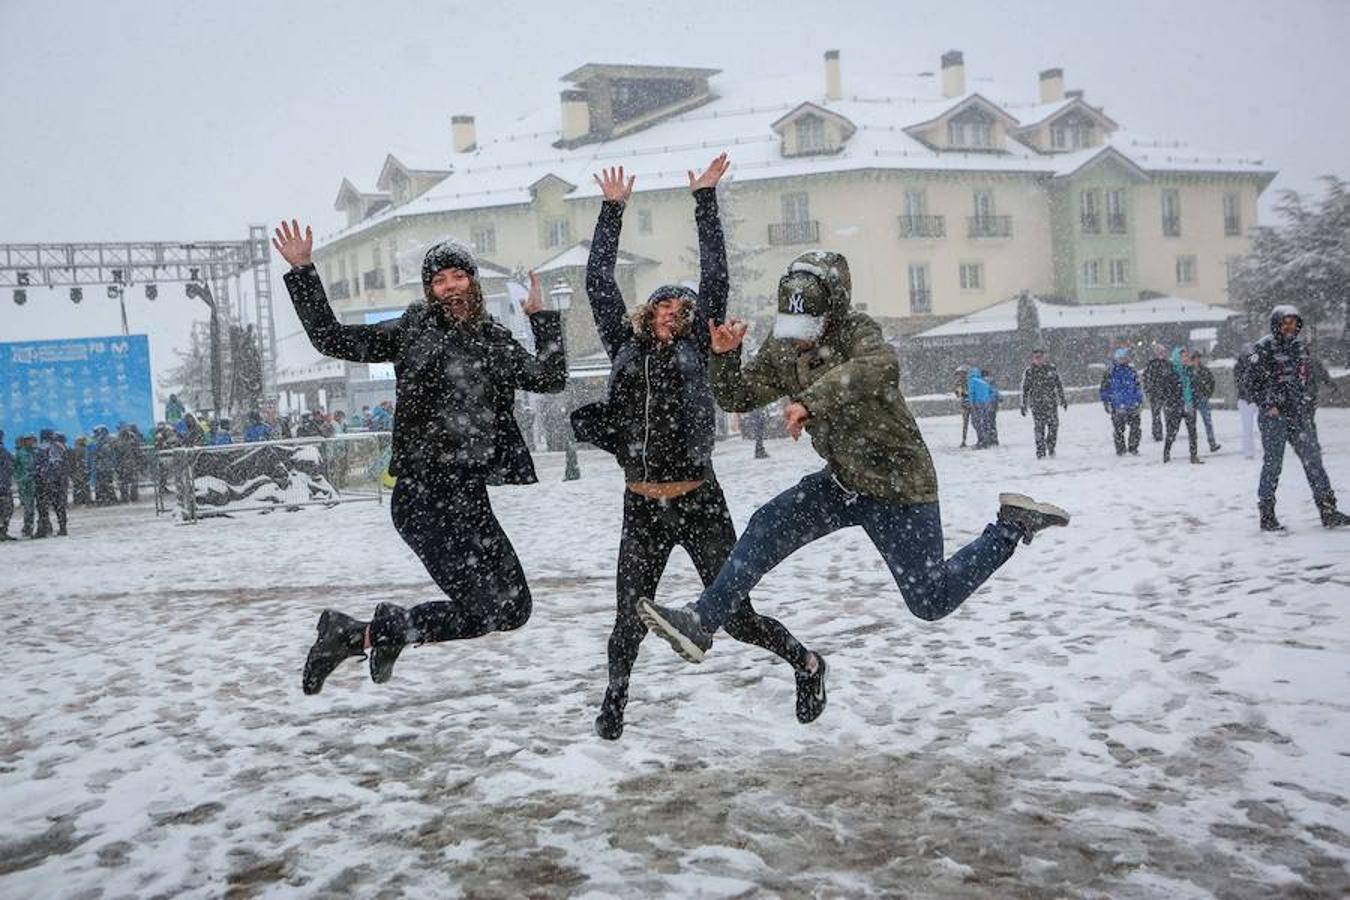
(672, 635)
(1022, 501)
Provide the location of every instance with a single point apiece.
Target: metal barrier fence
(201, 482)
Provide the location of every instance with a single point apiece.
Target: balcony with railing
(989, 226)
(807, 232)
(920, 300)
(373, 280)
(1171, 226)
(923, 226)
(1115, 223)
(339, 290)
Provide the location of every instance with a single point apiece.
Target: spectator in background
(1043, 392)
(78, 471)
(51, 483)
(25, 479)
(1202, 381)
(991, 378)
(220, 433)
(257, 429)
(963, 395)
(1122, 398)
(980, 396)
(6, 487)
(173, 410)
(102, 456)
(1157, 373)
(1246, 408)
(1177, 395)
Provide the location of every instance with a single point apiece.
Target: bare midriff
(663, 490)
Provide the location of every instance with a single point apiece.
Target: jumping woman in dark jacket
(457, 371)
(658, 421)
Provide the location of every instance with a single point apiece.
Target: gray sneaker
(681, 629)
(1029, 516)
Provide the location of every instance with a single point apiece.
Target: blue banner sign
(72, 385)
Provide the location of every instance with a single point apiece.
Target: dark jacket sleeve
(713, 280)
(1026, 388)
(607, 306)
(545, 372)
(1059, 388)
(1260, 380)
(354, 343)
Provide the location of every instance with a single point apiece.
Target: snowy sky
(172, 121)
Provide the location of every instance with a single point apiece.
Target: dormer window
(1071, 133)
(972, 128)
(810, 134)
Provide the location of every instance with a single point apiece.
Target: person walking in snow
(963, 397)
(659, 421)
(980, 395)
(1121, 396)
(6, 489)
(842, 379)
(456, 375)
(25, 479)
(1281, 380)
(51, 483)
(1043, 392)
(1202, 382)
(1157, 372)
(1177, 394)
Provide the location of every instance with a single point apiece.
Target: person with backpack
(1121, 396)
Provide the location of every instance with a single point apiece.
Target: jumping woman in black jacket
(457, 371)
(658, 421)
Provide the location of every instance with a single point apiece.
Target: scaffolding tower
(151, 263)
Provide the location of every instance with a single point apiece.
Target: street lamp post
(202, 291)
(561, 293)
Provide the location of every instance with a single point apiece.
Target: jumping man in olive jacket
(842, 380)
(457, 371)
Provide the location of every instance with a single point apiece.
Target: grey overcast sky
(188, 120)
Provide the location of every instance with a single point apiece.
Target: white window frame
(1170, 203)
(810, 131)
(1088, 206)
(1115, 206)
(1187, 269)
(971, 276)
(1118, 272)
(557, 232)
(483, 237)
(919, 281)
(1092, 273)
(796, 207)
(1232, 210)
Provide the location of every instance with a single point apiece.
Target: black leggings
(1174, 417)
(449, 524)
(700, 523)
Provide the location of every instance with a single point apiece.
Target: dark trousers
(450, 525)
(1299, 432)
(1120, 420)
(909, 536)
(1173, 417)
(1045, 424)
(51, 498)
(700, 523)
(1156, 411)
(6, 510)
(79, 489)
(29, 501)
(965, 421)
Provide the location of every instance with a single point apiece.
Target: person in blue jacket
(1122, 398)
(981, 397)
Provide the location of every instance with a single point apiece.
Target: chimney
(834, 88)
(464, 134)
(953, 74)
(1052, 85)
(576, 115)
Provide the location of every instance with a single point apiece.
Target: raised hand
(711, 175)
(535, 301)
(727, 336)
(613, 184)
(293, 248)
(796, 415)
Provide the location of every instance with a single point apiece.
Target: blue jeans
(909, 536)
(1202, 407)
(1298, 431)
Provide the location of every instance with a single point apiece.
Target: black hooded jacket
(1280, 374)
(1042, 389)
(658, 418)
(455, 381)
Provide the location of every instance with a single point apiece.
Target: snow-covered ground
(1150, 703)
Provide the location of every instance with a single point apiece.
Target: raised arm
(607, 306)
(355, 343)
(736, 389)
(713, 280)
(544, 372)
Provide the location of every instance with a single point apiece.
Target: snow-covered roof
(575, 256)
(1003, 316)
(740, 121)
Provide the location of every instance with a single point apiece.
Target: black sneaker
(340, 637)
(811, 692)
(680, 628)
(609, 724)
(1028, 516)
(390, 629)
